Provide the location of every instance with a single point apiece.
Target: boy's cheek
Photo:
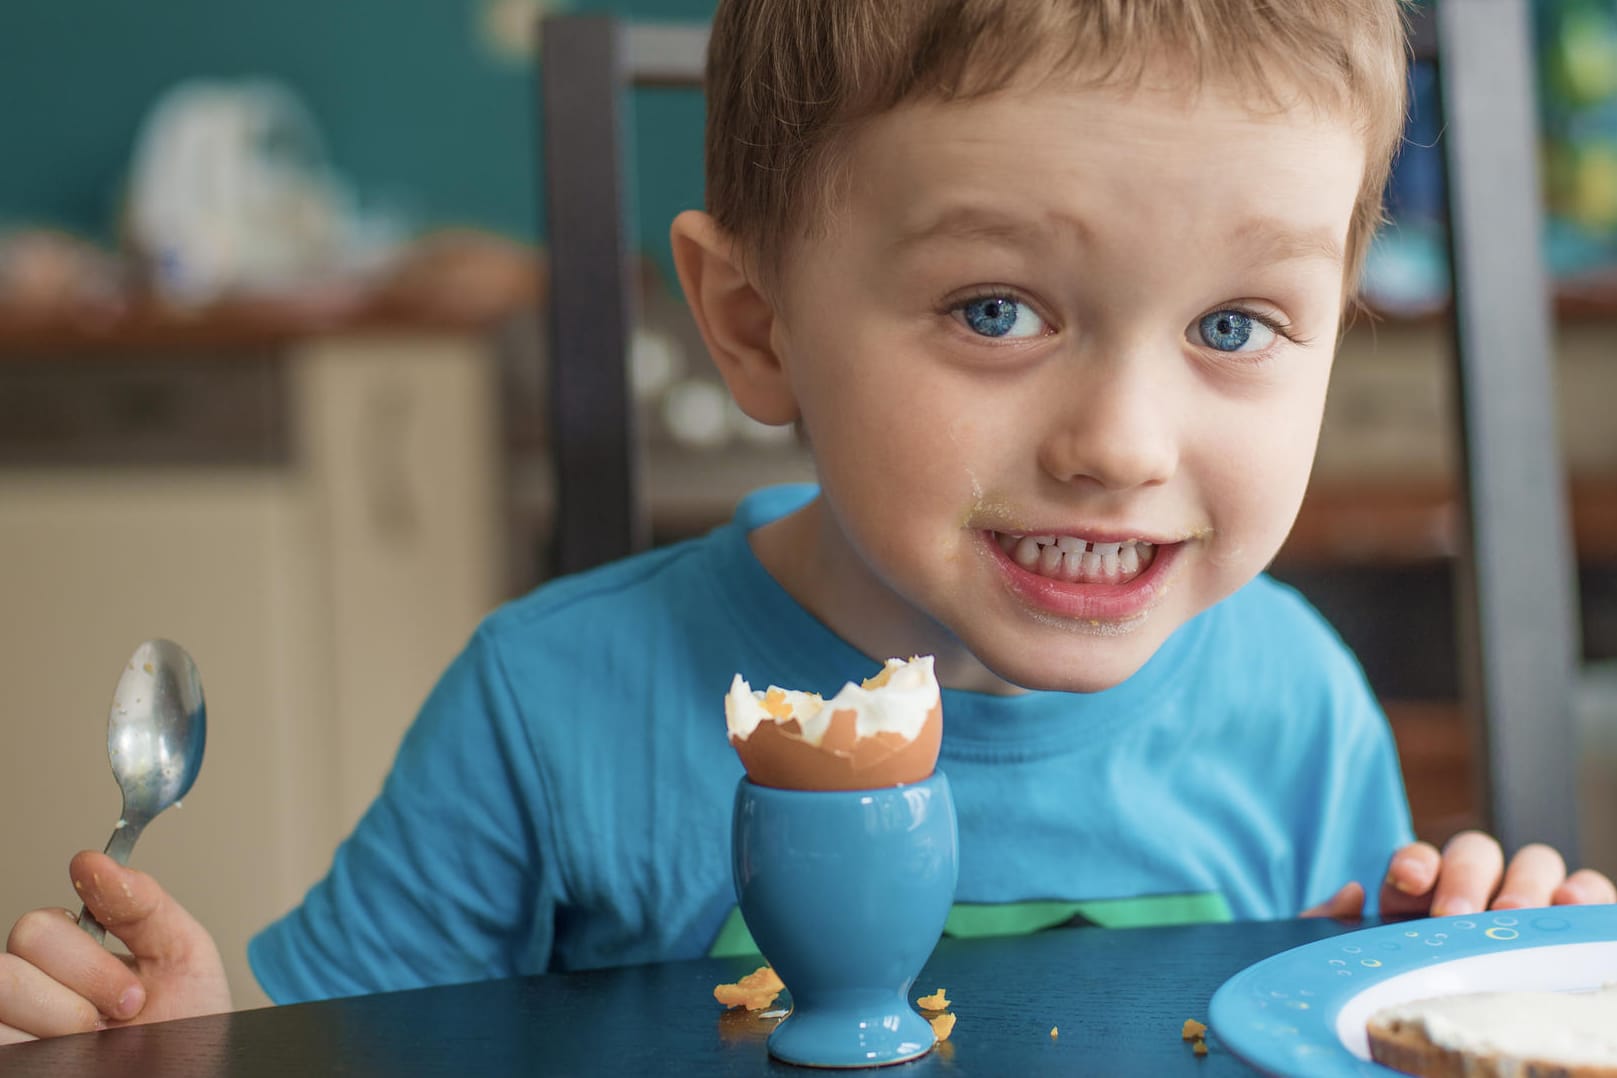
(899, 430)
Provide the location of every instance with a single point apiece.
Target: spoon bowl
(156, 732)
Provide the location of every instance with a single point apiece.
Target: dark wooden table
(1119, 997)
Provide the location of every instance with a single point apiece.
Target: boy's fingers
(53, 943)
(33, 1003)
(1472, 863)
(1411, 873)
(1532, 877)
(8, 1035)
(1585, 887)
(134, 907)
(1347, 903)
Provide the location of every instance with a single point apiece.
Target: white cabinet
(321, 594)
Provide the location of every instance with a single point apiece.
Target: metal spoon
(155, 735)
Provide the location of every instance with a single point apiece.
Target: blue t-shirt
(563, 799)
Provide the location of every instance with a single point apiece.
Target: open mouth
(1078, 561)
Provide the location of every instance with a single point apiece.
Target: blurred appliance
(230, 190)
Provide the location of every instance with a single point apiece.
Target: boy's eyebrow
(1271, 239)
(969, 222)
(1276, 241)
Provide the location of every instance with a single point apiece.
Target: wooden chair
(1519, 622)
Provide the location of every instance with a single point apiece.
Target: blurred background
(273, 298)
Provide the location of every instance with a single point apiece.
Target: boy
(1052, 288)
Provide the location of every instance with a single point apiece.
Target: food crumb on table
(1196, 1033)
(937, 1001)
(755, 991)
(1054, 1032)
(942, 1026)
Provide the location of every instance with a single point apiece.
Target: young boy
(1052, 287)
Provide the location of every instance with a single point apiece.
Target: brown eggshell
(776, 755)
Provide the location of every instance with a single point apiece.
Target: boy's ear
(736, 319)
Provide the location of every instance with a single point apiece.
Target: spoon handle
(118, 848)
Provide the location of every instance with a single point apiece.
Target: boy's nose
(1118, 430)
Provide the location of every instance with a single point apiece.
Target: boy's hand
(55, 979)
(1469, 876)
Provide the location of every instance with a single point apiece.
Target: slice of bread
(1500, 1035)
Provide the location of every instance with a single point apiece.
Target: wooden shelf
(1378, 522)
(1593, 300)
(446, 281)
(224, 329)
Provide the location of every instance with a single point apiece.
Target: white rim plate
(1302, 1012)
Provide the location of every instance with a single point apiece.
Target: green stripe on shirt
(972, 921)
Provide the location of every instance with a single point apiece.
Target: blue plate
(1302, 1013)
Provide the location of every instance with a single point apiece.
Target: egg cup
(846, 892)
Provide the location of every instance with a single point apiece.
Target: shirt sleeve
(442, 880)
(1364, 812)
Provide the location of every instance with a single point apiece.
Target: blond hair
(788, 80)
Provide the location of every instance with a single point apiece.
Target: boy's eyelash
(1280, 326)
(955, 303)
(952, 305)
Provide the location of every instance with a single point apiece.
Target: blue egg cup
(845, 893)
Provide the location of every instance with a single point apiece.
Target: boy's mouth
(1076, 560)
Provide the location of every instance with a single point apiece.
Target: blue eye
(1233, 331)
(1001, 316)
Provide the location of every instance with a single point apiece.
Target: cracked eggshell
(796, 741)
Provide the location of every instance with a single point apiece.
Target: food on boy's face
(1093, 316)
(1106, 586)
(1078, 561)
(883, 732)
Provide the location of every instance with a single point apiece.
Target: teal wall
(416, 110)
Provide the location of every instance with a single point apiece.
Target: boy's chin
(1093, 659)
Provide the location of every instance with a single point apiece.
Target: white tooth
(1128, 558)
(1049, 559)
(1111, 568)
(1071, 565)
(1044, 540)
(1092, 564)
(1071, 544)
(1107, 550)
(1027, 552)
